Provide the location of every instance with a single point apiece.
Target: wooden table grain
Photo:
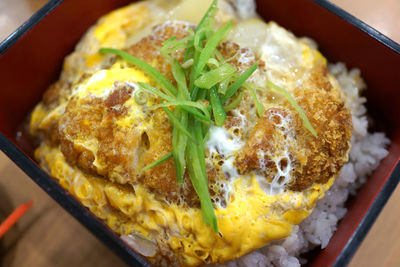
(49, 236)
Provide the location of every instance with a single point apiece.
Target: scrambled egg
(265, 174)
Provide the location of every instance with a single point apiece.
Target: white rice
(315, 231)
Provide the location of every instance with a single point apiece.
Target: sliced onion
(140, 244)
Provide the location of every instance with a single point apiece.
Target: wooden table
(49, 236)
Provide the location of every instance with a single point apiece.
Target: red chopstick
(14, 217)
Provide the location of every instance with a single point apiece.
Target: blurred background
(48, 236)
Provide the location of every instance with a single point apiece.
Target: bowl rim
(52, 4)
(377, 35)
(10, 40)
(102, 232)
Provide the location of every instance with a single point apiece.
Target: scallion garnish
(294, 104)
(259, 106)
(234, 103)
(198, 176)
(205, 75)
(158, 162)
(218, 109)
(179, 142)
(215, 76)
(140, 96)
(188, 63)
(152, 72)
(172, 99)
(232, 89)
(176, 123)
(210, 47)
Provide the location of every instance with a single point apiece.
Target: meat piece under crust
(312, 159)
(91, 139)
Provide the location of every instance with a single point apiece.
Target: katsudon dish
(201, 134)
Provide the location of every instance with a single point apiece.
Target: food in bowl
(202, 138)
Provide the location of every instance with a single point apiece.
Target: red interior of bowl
(29, 66)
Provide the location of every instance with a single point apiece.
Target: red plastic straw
(14, 217)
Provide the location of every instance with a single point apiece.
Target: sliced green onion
(171, 45)
(294, 104)
(232, 89)
(234, 103)
(209, 14)
(180, 78)
(199, 179)
(171, 99)
(155, 91)
(193, 76)
(255, 86)
(218, 109)
(158, 162)
(212, 62)
(178, 124)
(140, 97)
(204, 76)
(182, 104)
(219, 56)
(223, 85)
(189, 54)
(198, 134)
(193, 94)
(169, 41)
(212, 77)
(201, 58)
(179, 142)
(152, 72)
(199, 36)
(188, 63)
(210, 47)
(206, 24)
(259, 105)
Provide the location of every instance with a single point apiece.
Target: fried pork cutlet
(265, 171)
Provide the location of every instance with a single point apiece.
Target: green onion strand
(203, 77)
(210, 46)
(259, 106)
(232, 89)
(235, 102)
(180, 78)
(199, 179)
(158, 162)
(212, 77)
(140, 97)
(178, 124)
(294, 104)
(171, 100)
(223, 85)
(155, 91)
(218, 109)
(188, 63)
(212, 63)
(182, 104)
(179, 142)
(152, 72)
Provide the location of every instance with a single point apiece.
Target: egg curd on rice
(200, 133)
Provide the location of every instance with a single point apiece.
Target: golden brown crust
(315, 159)
(94, 119)
(326, 154)
(263, 137)
(123, 152)
(148, 49)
